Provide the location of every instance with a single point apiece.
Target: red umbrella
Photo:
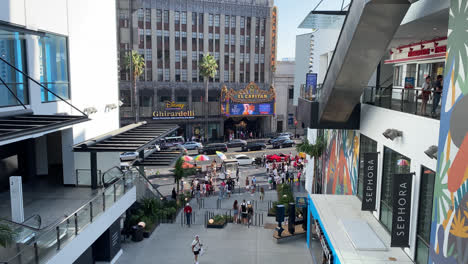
(187, 165)
(274, 157)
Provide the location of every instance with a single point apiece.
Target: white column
(33, 66)
(68, 157)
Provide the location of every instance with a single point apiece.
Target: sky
(290, 15)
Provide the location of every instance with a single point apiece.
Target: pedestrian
(254, 183)
(188, 213)
(425, 94)
(247, 182)
(283, 177)
(229, 188)
(244, 212)
(174, 194)
(235, 208)
(270, 182)
(437, 94)
(182, 186)
(249, 212)
(262, 194)
(198, 194)
(196, 247)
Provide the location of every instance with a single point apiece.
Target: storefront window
(423, 71)
(393, 163)
(398, 76)
(426, 194)
(367, 145)
(12, 50)
(54, 67)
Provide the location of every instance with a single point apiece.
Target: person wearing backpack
(244, 212)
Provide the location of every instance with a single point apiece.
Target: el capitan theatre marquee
(250, 101)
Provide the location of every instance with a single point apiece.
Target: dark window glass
(390, 167)
(164, 98)
(366, 145)
(12, 50)
(291, 92)
(423, 235)
(54, 67)
(181, 99)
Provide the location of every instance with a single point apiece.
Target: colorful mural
(449, 229)
(340, 161)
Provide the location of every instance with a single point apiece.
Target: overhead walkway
(366, 33)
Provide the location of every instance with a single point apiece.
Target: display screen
(248, 109)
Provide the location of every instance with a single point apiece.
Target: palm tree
(313, 150)
(135, 63)
(7, 235)
(179, 172)
(208, 68)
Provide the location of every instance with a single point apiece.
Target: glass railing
(83, 177)
(311, 94)
(404, 100)
(42, 246)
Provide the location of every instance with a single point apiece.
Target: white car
(128, 156)
(244, 159)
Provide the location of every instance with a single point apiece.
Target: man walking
(188, 213)
(437, 94)
(196, 247)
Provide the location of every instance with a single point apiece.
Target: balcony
(34, 245)
(400, 99)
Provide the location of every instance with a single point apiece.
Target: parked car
(277, 157)
(254, 146)
(283, 143)
(244, 159)
(212, 148)
(235, 143)
(190, 145)
(128, 156)
(179, 147)
(169, 142)
(288, 134)
(270, 141)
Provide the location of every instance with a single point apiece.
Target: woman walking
(235, 208)
(262, 194)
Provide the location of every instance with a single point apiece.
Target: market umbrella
(187, 158)
(202, 158)
(221, 155)
(187, 165)
(274, 157)
(302, 155)
(403, 162)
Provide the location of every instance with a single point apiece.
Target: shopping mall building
(391, 182)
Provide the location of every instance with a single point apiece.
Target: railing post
(76, 224)
(104, 201)
(58, 237)
(36, 253)
(115, 192)
(402, 99)
(76, 173)
(91, 211)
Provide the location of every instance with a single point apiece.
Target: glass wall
(54, 67)
(398, 76)
(367, 145)
(393, 163)
(12, 49)
(423, 235)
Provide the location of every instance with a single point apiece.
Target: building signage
(370, 181)
(402, 184)
(173, 110)
(250, 101)
(311, 83)
(327, 253)
(274, 26)
(409, 82)
(429, 49)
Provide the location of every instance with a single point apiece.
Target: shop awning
(25, 124)
(131, 138)
(160, 159)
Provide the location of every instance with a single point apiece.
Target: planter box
(216, 226)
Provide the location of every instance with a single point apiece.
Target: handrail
(103, 176)
(148, 181)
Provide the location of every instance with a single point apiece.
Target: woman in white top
(196, 247)
(426, 93)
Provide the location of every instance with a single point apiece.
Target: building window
(242, 40)
(184, 34)
(210, 20)
(158, 15)
(183, 18)
(423, 233)
(216, 56)
(177, 17)
(200, 19)
(216, 36)
(177, 55)
(291, 92)
(233, 39)
(226, 39)
(194, 35)
(177, 75)
(166, 16)
(141, 14)
(159, 33)
(54, 65)
(256, 58)
(163, 98)
(212, 99)
(147, 15)
(166, 75)
(290, 120)
(262, 41)
(366, 145)
(194, 75)
(241, 57)
(226, 76)
(390, 168)
(398, 76)
(194, 56)
(166, 33)
(210, 35)
(160, 75)
(148, 54)
(194, 18)
(233, 21)
(226, 21)
(242, 22)
(216, 20)
(12, 49)
(200, 35)
(181, 99)
(262, 58)
(247, 58)
(184, 75)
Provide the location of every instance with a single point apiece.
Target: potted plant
(218, 221)
(7, 235)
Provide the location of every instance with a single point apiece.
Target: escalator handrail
(105, 183)
(148, 181)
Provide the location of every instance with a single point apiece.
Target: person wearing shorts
(244, 212)
(196, 247)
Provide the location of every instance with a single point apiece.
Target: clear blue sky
(290, 15)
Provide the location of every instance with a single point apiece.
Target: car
(283, 143)
(254, 146)
(179, 147)
(270, 141)
(244, 159)
(128, 156)
(235, 143)
(212, 148)
(288, 134)
(156, 147)
(190, 145)
(277, 157)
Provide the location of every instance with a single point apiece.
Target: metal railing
(83, 177)
(46, 244)
(401, 99)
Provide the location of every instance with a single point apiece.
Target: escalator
(366, 33)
